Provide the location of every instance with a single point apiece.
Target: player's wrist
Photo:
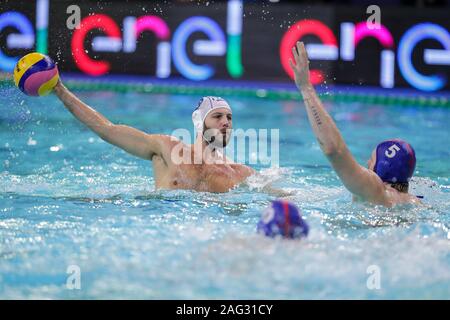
(59, 88)
(305, 86)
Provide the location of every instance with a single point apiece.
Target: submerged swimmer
(201, 166)
(385, 181)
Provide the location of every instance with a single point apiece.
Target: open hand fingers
(295, 54)
(303, 56)
(291, 64)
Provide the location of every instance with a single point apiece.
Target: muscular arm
(357, 179)
(136, 142)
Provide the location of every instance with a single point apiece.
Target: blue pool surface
(69, 199)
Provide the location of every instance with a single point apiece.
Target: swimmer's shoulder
(171, 142)
(415, 200)
(164, 141)
(390, 198)
(397, 197)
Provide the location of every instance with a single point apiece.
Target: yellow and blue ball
(36, 74)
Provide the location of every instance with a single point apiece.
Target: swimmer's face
(372, 160)
(218, 125)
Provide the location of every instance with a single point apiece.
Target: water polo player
(201, 166)
(390, 167)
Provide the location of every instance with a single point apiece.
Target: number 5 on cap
(393, 151)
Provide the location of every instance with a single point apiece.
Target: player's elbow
(331, 149)
(334, 148)
(106, 131)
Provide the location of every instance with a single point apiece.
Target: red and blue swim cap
(395, 161)
(282, 218)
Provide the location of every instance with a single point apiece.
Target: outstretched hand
(301, 66)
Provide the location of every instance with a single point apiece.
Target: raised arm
(357, 179)
(136, 142)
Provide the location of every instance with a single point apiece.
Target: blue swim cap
(395, 161)
(282, 218)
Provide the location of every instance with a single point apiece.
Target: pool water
(69, 200)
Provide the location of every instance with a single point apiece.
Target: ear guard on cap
(197, 118)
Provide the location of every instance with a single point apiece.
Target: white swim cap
(204, 107)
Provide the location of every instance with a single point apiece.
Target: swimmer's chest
(208, 177)
(201, 177)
